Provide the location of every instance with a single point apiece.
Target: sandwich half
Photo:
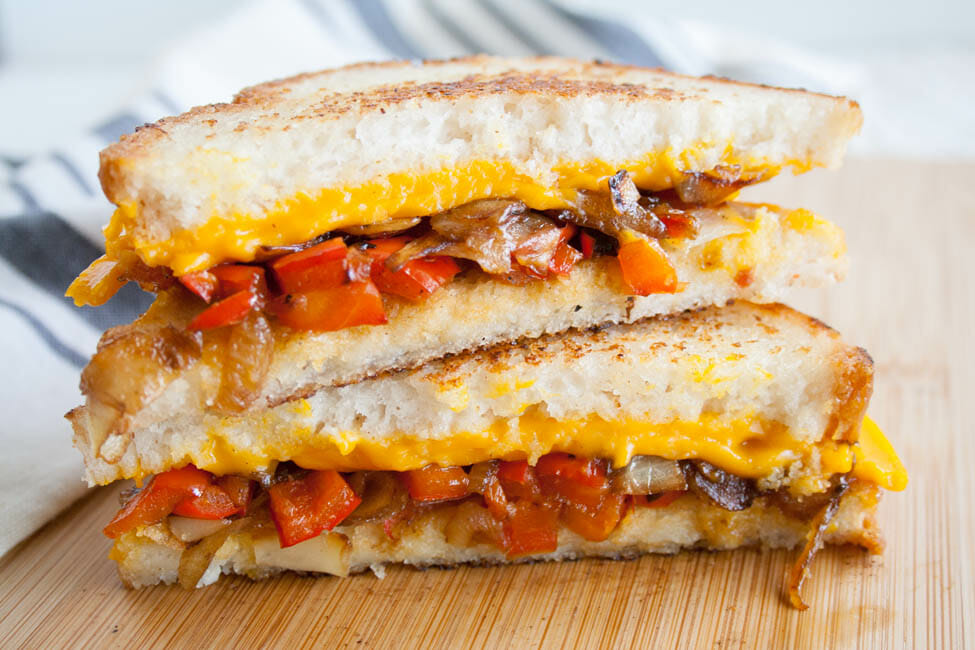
(473, 311)
(719, 428)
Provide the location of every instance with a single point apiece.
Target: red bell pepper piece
(588, 472)
(433, 483)
(573, 480)
(417, 278)
(645, 267)
(513, 470)
(323, 266)
(325, 310)
(564, 259)
(212, 503)
(158, 498)
(302, 508)
(594, 524)
(240, 277)
(530, 529)
(203, 283)
(226, 312)
(588, 243)
(239, 489)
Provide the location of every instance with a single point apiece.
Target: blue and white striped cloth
(52, 210)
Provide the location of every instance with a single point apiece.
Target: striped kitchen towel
(52, 210)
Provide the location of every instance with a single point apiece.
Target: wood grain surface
(909, 300)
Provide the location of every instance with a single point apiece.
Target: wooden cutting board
(909, 299)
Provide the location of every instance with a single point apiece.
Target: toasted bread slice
(761, 391)
(291, 159)
(152, 555)
(756, 255)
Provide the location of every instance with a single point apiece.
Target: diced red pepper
(212, 503)
(240, 277)
(588, 243)
(158, 498)
(302, 508)
(325, 310)
(418, 278)
(203, 283)
(513, 470)
(434, 483)
(564, 259)
(239, 489)
(588, 472)
(187, 479)
(530, 529)
(595, 524)
(657, 500)
(645, 267)
(573, 480)
(322, 266)
(226, 312)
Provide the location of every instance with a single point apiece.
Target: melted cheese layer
(237, 236)
(746, 447)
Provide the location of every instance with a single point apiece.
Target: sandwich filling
(518, 509)
(512, 239)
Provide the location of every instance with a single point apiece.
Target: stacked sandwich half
(482, 310)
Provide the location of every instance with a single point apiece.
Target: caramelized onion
(481, 475)
(713, 187)
(489, 232)
(620, 210)
(190, 529)
(247, 358)
(472, 523)
(649, 475)
(196, 559)
(383, 228)
(133, 365)
(723, 489)
(382, 496)
(814, 541)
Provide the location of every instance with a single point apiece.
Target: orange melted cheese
(744, 447)
(302, 217)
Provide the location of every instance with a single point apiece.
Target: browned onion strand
(247, 359)
(814, 542)
(649, 475)
(384, 228)
(481, 475)
(713, 187)
(195, 560)
(618, 211)
(382, 496)
(722, 488)
(489, 232)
